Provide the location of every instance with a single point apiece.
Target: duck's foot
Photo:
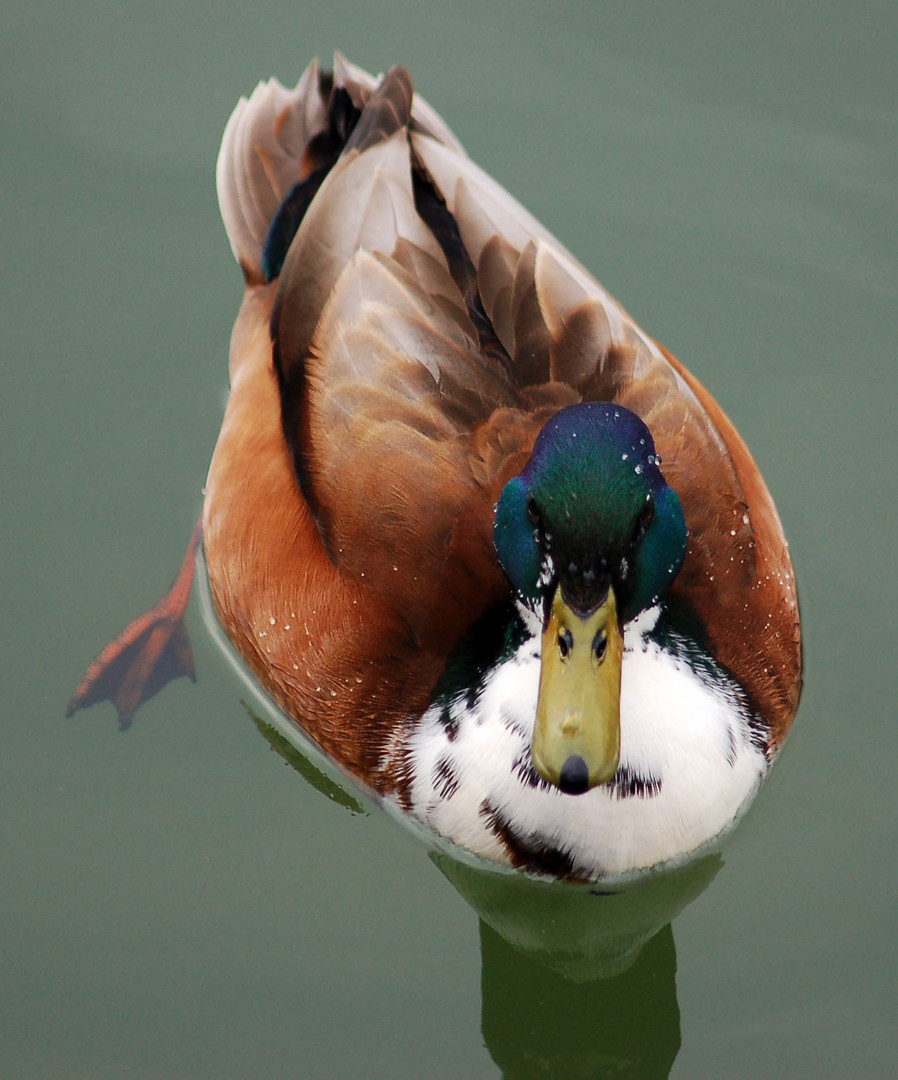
(151, 651)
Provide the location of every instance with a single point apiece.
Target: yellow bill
(576, 738)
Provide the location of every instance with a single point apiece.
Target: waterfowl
(497, 552)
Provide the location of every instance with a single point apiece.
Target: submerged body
(488, 544)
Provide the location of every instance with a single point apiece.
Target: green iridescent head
(590, 511)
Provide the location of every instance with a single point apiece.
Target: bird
(492, 548)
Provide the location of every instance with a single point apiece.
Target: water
(179, 902)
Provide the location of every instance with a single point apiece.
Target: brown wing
(385, 385)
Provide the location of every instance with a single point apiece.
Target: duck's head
(589, 535)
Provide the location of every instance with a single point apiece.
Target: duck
(497, 553)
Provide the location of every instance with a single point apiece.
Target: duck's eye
(565, 643)
(599, 645)
(647, 514)
(532, 511)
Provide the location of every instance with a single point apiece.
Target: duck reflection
(575, 982)
(539, 1023)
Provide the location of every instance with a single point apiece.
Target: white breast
(688, 769)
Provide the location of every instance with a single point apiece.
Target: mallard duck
(490, 546)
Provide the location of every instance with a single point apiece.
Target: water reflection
(575, 982)
(577, 931)
(538, 1023)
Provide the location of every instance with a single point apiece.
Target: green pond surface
(177, 902)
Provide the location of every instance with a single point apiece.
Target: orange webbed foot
(151, 651)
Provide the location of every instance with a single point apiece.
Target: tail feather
(260, 160)
(279, 145)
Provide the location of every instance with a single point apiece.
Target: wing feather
(391, 367)
(364, 204)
